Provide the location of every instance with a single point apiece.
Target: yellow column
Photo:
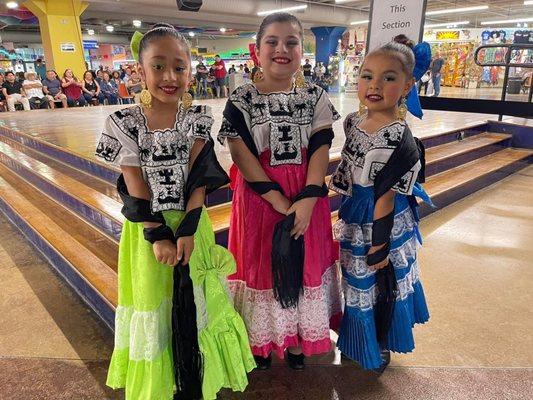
(59, 21)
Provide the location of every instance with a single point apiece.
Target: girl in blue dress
(378, 176)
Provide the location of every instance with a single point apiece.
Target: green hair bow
(135, 43)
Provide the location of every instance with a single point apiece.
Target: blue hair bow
(422, 61)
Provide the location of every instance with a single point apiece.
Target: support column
(327, 40)
(59, 21)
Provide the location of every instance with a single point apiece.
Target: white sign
(389, 18)
(68, 47)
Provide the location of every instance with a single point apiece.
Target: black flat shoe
(263, 363)
(385, 361)
(296, 361)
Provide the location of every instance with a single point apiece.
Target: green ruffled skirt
(142, 360)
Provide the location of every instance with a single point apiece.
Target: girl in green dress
(165, 152)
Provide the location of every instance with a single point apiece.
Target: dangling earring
(402, 110)
(258, 76)
(186, 100)
(362, 109)
(299, 79)
(145, 97)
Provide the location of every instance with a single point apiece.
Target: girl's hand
(165, 252)
(184, 247)
(279, 202)
(303, 209)
(380, 265)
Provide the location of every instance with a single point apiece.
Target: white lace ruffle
(357, 267)
(146, 333)
(359, 235)
(365, 299)
(267, 322)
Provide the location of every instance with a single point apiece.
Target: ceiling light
(191, 34)
(507, 21)
(457, 10)
(90, 32)
(136, 23)
(109, 28)
(364, 21)
(447, 24)
(286, 9)
(222, 30)
(254, 37)
(12, 4)
(342, 1)
(528, 3)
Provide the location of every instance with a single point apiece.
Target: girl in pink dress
(279, 134)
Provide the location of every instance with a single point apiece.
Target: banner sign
(389, 18)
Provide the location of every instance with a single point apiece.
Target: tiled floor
(476, 269)
(79, 129)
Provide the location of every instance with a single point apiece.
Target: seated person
(135, 86)
(34, 91)
(91, 89)
(52, 89)
(14, 93)
(2, 97)
(72, 89)
(109, 91)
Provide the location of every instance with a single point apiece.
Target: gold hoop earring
(258, 76)
(299, 79)
(402, 110)
(186, 100)
(145, 97)
(362, 109)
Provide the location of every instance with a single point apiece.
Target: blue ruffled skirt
(357, 336)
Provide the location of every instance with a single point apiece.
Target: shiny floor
(476, 268)
(78, 129)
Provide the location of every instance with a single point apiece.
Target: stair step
(451, 179)
(91, 181)
(453, 149)
(94, 206)
(98, 277)
(91, 238)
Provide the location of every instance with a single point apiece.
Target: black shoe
(385, 361)
(296, 361)
(263, 363)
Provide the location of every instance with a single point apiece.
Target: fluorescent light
(528, 3)
(110, 28)
(191, 34)
(507, 21)
(456, 10)
(303, 7)
(12, 4)
(136, 23)
(90, 32)
(222, 30)
(446, 24)
(342, 1)
(365, 21)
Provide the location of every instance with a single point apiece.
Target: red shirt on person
(220, 72)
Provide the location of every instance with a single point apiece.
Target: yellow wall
(59, 21)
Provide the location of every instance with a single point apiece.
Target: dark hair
(280, 17)
(73, 76)
(90, 72)
(115, 72)
(401, 48)
(10, 73)
(161, 30)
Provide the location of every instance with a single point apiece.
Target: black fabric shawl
(237, 121)
(205, 171)
(402, 159)
(134, 208)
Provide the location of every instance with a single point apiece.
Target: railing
(497, 107)
(507, 63)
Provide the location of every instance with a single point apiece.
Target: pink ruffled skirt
(270, 327)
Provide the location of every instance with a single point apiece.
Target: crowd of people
(32, 90)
